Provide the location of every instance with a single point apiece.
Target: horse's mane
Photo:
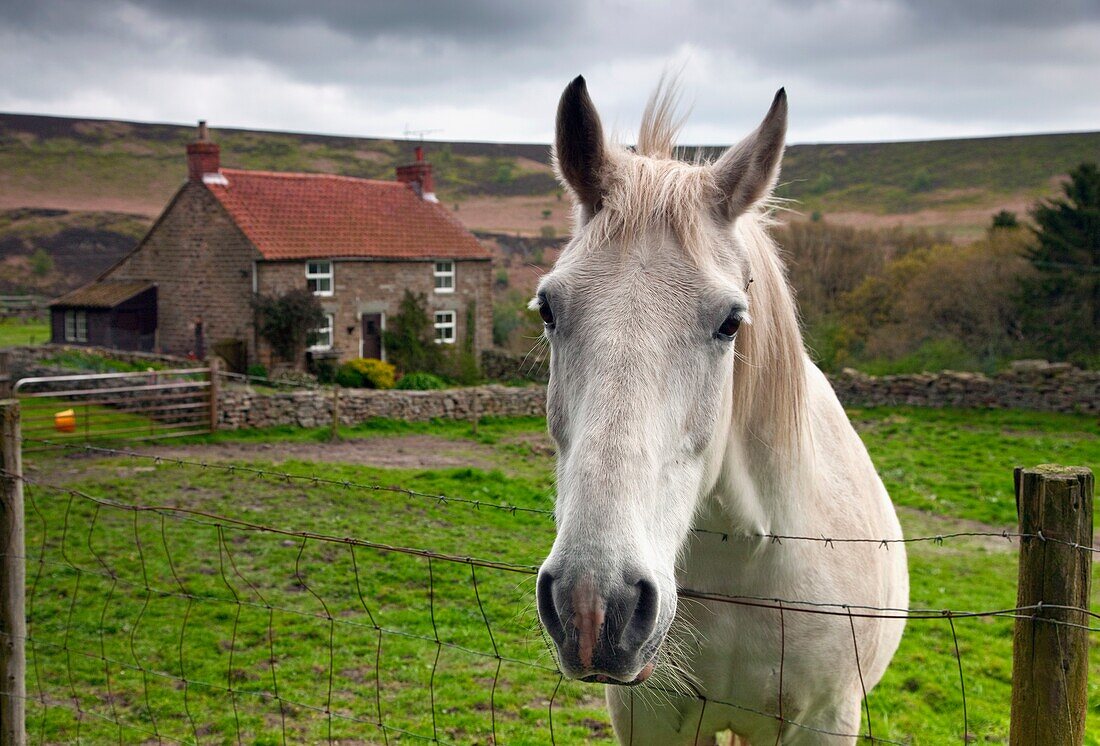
(651, 185)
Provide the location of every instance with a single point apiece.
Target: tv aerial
(419, 134)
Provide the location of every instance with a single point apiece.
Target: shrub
(288, 322)
(365, 372)
(256, 371)
(324, 368)
(421, 382)
(41, 263)
(410, 338)
(1005, 219)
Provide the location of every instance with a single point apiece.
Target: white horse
(681, 398)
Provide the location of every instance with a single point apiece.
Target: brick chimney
(203, 157)
(418, 175)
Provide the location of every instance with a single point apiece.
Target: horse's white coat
(661, 427)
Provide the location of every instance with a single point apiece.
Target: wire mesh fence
(199, 601)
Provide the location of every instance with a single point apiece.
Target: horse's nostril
(548, 613)
(641, 614)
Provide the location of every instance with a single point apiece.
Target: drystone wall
(241, 406)
(1027, 384)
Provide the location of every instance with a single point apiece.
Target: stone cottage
(229, 234)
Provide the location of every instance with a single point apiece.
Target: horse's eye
(730, 326)
(545, 312)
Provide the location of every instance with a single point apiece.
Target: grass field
(126, 605)
(18, 332)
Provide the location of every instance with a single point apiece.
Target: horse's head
(642, 312)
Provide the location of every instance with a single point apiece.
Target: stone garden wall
(32, 360)
(242, 406)
(1027, 385)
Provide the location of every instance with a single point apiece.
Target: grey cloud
(1002, 65)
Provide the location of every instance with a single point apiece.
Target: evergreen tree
(410, 338)
(1005, 219)
(1061, 305)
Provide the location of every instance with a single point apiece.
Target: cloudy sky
(855, 70)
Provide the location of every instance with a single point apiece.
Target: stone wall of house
(244, 407)
(202, 265)
(375, 286)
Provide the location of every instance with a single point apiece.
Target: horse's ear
(579, 148)
(747, 172)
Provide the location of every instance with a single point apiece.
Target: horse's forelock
(662, 120)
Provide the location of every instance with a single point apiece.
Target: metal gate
(132, 406)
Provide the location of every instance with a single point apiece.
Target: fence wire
(267, 633)
(477, 504)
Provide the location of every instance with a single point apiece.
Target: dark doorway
(372, 335)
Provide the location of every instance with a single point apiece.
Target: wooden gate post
(1050, 658)
(5, 374)
(13, 622)
(215, 387)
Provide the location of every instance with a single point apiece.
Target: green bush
(421, 382)
(256, 371)
(324, 368)
(932, 356)
(288, 322)
(365, 372)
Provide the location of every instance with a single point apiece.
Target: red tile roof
(313, 216)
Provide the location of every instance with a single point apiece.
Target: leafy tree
(410, 338)
(1005, 219)
(289, 322)
(1061, 304)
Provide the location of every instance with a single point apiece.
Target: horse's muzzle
(601, 634)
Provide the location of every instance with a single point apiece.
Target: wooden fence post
(1049, 654)
(13, 622)
(215, 387)
(335, 435)
(6, 382)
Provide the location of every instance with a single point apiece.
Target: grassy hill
(92, 186)
(904, 177)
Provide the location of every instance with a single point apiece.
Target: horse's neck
(759, 484)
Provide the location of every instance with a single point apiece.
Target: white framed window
(319, 277)
(444, 327)
(76, 326)
(322, 340)
(444, 277)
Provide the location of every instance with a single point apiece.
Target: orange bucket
(65, 421)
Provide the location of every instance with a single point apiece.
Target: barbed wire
(332, 709)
